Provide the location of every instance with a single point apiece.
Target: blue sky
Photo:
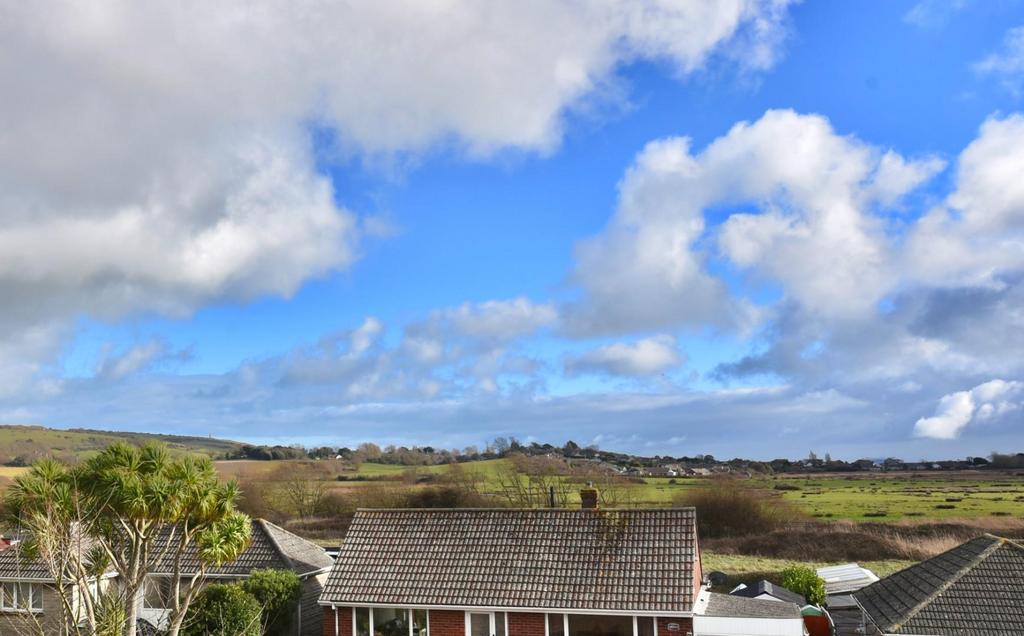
(750, 228)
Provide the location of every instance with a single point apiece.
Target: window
(21, 597)
(156, 592)
(594, 625)
(389, 621)
(645, 626)
(599, 625)
(556, 624)
(362, 619)
(485, 624)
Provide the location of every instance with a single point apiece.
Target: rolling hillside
(23, 444)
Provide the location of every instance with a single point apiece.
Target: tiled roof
(14, 565)
(975, 589)
(730, 606)
(271, 547)
(767, 587)
(628, 560)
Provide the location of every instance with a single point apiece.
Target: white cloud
(815, 230)
(1008, 62)
(933, 13)
(957, 410)
(649, 356)
(978, 234)
(498, 319)
(157, 156)
(138, 357)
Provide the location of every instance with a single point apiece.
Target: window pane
(419, 623)
(644, 626)
(152, 594)
(556, 624)
(21, 596)
(362, 621)
(37, 597)
(479, 624)
(499, 624)
(390, 621)
(590, 625)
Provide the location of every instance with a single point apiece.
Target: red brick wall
(685, 626)
(447, 623)
(698, 567)
(344, 621)
(525, 624)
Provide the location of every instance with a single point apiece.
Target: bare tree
(528, 482)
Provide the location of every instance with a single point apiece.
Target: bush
(223, 610)
(725, 509)
(785, 486)
(805, 581)
(278, 591)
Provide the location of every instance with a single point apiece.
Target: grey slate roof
(729, 605)
(271, 547)
(767, 587)
(615, 560)
(976, 588)
(14, 565)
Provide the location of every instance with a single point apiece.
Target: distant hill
(20, 445)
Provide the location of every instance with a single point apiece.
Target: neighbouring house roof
(732, 606)
(14, 565)
(767, 587)
(272, 547)
(976, 588)
(611, 560)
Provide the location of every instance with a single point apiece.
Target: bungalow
(533, 572)
(28, 596)
(975, 589)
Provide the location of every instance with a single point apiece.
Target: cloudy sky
(739, 227)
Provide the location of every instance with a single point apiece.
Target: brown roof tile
(628, 560)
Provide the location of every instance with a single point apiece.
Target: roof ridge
(273, 541)
(959, 574)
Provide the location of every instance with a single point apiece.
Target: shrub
(805, 581)
(725, 509)
(785, 486)
(278, 592)
(223, 610)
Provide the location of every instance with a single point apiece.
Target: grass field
(747, 569)
(32, 442)
(882, 497)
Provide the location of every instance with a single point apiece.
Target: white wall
(727, 626)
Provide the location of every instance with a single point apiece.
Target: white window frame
(35, 590)
(408, 618)
(565, 623)
(493, 621)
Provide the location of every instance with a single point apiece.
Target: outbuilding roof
(607, 560)
(975, 589)
(731, 606)
(767, 587)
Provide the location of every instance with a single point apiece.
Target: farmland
(880, 497)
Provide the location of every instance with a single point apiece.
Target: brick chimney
(588, 497)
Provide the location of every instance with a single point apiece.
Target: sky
(747, 228)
